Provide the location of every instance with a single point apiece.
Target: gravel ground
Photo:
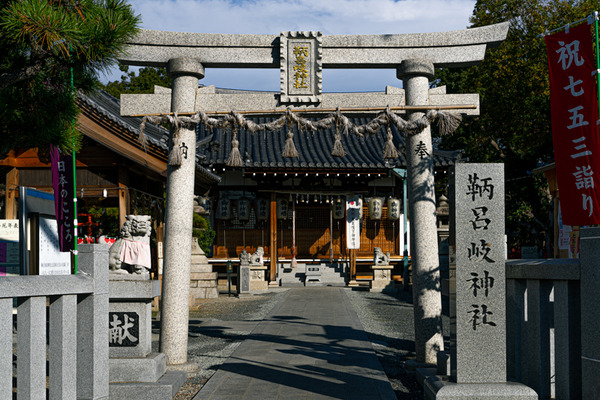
(218, 326)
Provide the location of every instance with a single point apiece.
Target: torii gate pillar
(185, 73)
(415, 74)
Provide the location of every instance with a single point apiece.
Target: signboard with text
(480, 275)
(353, 206)
(39, 235)
(52, 261)
(574, 107)
(9, 247)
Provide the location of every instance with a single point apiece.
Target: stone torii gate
(301, 56)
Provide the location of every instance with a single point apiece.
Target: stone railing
(62, 322)
(543, 326)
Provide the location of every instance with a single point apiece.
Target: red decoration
(574, 106)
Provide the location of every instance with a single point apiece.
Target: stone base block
(382, 279)
(164, 389)
(257, 278)
(148, 369)
(382, 286)
(130, 317)
(203, 285)
(258, 285)
(313, 282)
(190, 368)
(203, 276)
(439, 388)
(202, 293)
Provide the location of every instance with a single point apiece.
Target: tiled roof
(109, 107)
(262, 150)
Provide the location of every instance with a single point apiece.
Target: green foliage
(514, 126)
(205, 234)
(46, 46)
(142, 83)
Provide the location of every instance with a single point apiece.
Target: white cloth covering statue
(131, 252)
(257, 257)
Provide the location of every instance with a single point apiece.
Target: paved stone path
(311, 346)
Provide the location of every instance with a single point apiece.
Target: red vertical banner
(62, 182)
(574, 106)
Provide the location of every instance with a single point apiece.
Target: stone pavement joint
(311, 346)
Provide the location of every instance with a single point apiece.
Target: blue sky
(328, 16)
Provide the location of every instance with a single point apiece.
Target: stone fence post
(92, 325)
(589, 256)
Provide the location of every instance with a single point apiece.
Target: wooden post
(273, 242)
(12, 183)
(353, 265)
(123, 194)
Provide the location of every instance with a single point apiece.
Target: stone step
(164, 389)
(203, 276)
(330, 274)
(209, 283)
(201, 268)
(143, 369)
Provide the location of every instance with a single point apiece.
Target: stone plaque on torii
(301, 56)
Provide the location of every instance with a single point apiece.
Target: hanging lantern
(282, 208)
(261, 208)
(375, 205)
(393, 207)
(339, 209)
(224, 210)
(243, 209)
(360, 208)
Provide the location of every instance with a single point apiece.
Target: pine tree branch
(12, 77)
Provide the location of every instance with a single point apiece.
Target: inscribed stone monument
(480, 276)
(479, 354)
(244, 273)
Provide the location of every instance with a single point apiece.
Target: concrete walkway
(311, 346)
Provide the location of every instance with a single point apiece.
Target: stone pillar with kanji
(415, 75)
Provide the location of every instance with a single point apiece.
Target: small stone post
(92, 325)
(415, 75)
(185, 73)
(590, 346)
